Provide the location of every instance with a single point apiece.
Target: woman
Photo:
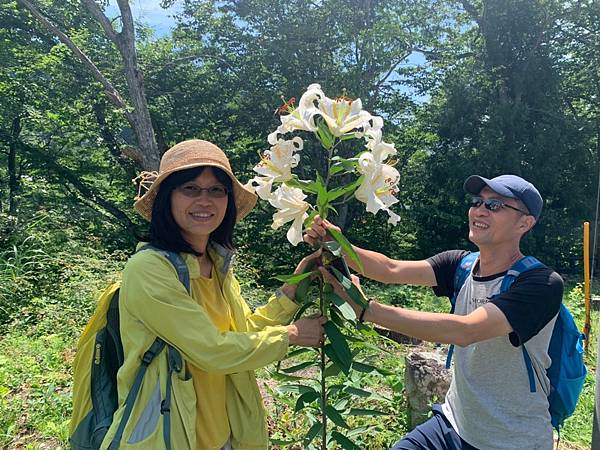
(193, 204)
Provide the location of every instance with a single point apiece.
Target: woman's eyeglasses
(493, 204)
(193, 191)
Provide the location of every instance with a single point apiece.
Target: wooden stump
(426, 381)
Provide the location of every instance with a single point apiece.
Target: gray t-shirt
(489, 402)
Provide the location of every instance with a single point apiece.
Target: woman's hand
(305, 264)
(307, 332)
(317, 232)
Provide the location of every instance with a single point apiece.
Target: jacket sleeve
(279, 310)
(152, 293)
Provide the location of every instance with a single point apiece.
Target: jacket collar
(221, 257)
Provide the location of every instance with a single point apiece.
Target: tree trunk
(13, 178)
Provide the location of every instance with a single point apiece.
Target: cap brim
(475, 183)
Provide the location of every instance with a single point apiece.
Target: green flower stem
(323, 306)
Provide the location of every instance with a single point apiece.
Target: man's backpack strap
(460, 276)
(522, 265)
(174, 358)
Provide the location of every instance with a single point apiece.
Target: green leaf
(354, 293)
(299, 351)
(279, 376)
(304, 399)
(294, 278)
(346, 247)
(302, 290)
(344, 308)
(314, 430)
(298, 367)
(303, 309)
(357, 391)
(364, 368)
(336, 168)
(321, 196)
(346, 443)
(335, 416)
(343, 190)
(327, 139)
(333, 247)
(333, 369)
(336, 365)
(364, 394)
(340, 345)
(366, 412)
(295, 388)
(305, 185)
(335, 316)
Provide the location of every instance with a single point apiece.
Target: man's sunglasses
(493, 204)
(193, 191)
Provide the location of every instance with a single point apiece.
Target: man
(489, 404)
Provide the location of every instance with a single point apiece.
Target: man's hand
(317, 232)
(339, 289)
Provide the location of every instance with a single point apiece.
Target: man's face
(503, 226)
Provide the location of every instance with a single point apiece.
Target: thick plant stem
(323, 386)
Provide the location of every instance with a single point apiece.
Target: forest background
(464, 87)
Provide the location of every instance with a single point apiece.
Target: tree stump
(426, 381)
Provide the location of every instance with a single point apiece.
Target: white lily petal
(291, 208)
(294, 234)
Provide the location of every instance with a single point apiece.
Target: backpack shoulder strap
(462, 273)
(463, 270)
(178, 262)
(522, 265)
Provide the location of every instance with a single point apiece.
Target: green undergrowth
(38, 341)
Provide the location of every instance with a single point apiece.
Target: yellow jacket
(155, 303)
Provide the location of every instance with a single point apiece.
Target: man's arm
(486, 322)
(377, 266)
(387, 270)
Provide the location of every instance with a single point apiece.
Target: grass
(37, 349)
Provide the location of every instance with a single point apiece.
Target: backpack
(567, 371)
(98, 359)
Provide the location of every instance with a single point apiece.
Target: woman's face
(198, 207)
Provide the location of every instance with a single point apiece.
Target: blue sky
(161, 20)
(150, 13)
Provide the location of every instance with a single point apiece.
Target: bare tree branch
(99, 15)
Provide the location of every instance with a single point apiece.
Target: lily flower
(291, 208)
(303, 117)
(276, 166)
(378, 187)
(343, 115)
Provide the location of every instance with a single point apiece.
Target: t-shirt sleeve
(530, 303)
(444, 266)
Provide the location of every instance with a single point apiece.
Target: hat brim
(245, 200)
(475, 184)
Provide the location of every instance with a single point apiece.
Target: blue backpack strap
(522, 265)
(460, 276)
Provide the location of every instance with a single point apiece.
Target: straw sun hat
(185, 155)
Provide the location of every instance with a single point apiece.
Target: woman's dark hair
(165, 233)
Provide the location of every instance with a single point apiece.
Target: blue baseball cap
(510, 186)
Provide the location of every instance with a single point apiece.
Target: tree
(147, 154)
